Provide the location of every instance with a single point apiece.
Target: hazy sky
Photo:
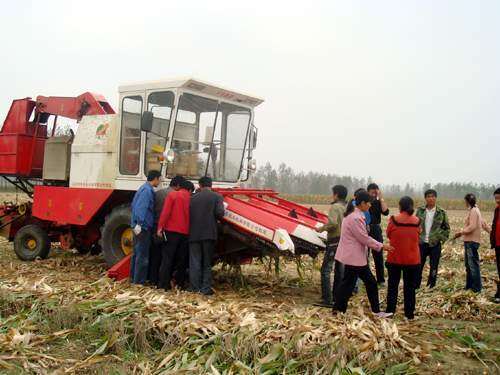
(403, 91)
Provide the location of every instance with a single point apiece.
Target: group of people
(175, 233)
(354, 232)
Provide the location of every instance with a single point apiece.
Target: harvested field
(62, 315)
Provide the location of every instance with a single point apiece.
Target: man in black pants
(155, 253)
(495, 239)
(378, 208)
(173, 226)
(435, 230)
(206, 208)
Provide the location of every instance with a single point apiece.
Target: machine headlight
(169, 155)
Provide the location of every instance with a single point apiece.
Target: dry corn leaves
(244, 328)
(234, 328)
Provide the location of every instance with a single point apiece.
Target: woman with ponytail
(471, 234)
(352, 253)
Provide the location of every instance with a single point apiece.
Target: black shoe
(208, 293)
(328, 305)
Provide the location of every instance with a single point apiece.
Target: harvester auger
(81, 184)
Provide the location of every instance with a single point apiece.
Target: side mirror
(147, 121)
(253, 138)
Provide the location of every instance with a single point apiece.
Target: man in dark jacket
(378, 208)
(206, 208)
(142, 224)
(155, 253)
(435, 231)
(495, 239)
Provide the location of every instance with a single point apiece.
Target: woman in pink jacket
(471, 234)
(352, 253)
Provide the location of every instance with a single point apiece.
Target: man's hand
(388, 247)
(457, 235)
(226, 205)
(319, 229)
(137, 229)
(159, 232)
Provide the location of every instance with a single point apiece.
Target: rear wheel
(116, 235)
(31, 242)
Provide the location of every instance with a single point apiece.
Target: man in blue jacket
(143, 218)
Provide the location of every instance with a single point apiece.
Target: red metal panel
(120, 270)
(21, 152)
(65, 205)
(259, 216)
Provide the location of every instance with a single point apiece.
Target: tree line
(285, 180)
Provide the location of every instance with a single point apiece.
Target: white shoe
(383, 314)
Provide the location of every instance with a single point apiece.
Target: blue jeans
(139, 263)
(471, 258)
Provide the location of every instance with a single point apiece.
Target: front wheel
(116, 235)
(31, 242)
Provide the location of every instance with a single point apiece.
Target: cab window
(130, 143)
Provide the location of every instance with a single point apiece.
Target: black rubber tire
(94, 249)
(114, 225)
(83, 250)
(36, 233)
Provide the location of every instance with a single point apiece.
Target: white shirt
(429, 220)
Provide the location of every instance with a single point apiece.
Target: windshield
(209, 139)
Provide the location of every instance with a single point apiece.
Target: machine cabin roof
(194, 85)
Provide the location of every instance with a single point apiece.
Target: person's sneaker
(209, 292)
(383, 314)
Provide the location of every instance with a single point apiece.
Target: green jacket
(440, 230)
(335, 217)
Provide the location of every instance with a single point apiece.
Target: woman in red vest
(403, 232)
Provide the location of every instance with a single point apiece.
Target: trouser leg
(169, 250)
(344, 290)
(154, 260)
(468, 279)
(474, 267)
(182, 259)
(434, 255)
(497, 255)
(338, 275)
(378, 256)
(410, 274)
(207, 257)
(195, 261)
(141, 257)
(423, 258)
(371, 287)
(326, 272)
(394, 274)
